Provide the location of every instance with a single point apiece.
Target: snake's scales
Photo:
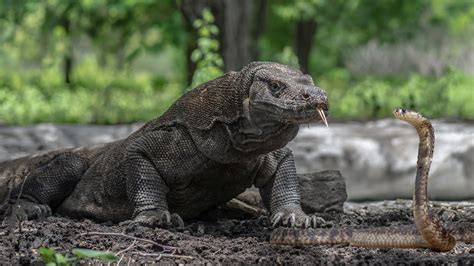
(428, 231)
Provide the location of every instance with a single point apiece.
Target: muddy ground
(224, 236)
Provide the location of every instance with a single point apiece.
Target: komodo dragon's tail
(14, 172)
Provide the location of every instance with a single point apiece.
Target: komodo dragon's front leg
(146, 188)
(281, 193)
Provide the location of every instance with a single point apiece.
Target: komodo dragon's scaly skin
(214, 142)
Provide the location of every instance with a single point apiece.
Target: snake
(427, 231)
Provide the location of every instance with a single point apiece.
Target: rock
(320, 192)
(255, 210)
(378, 159)
(251, 196)
(323, 191)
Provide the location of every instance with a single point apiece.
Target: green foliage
(370, 97)
(104, 98)
(287, 57)
(343, 25)
(458, 15)
(206, 55)
(90, 253)
(41, 32)
(96, 96)
(53, 258)
(129, 56)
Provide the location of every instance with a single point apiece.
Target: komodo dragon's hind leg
(47, 186)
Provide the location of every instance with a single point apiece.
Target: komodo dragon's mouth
(303, 116)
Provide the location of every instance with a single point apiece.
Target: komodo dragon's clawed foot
(290, 217)
(24, 209)
(158, 218)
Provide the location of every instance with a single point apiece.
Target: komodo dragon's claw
(158, 218)
(316, 221)
(295, 218)
(24, 209)
(276, 219)
(290, 220)
(176, 220)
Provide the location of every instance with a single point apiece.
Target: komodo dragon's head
(281, 94)
(268, 95)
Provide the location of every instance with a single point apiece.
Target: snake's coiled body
(428, 231)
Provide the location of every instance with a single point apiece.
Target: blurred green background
(104, 61)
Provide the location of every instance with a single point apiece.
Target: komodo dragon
(209, 146)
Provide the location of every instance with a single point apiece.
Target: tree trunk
(235, 24)
(68, 56)
(120, 51)
(67, 68)
(191, 10)
(190, 64)
(259, 26)
(304, 37)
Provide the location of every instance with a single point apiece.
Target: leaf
(134, 54)
(196, 55)
(197, 23)
(207, 15)
(204, 32)
(213, 29)
(60, 259)
(48, 255)
(90, 253)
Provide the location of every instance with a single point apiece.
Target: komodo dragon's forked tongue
(323, 117)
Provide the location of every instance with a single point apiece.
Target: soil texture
(227, 236)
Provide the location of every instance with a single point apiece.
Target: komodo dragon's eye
(276, 87)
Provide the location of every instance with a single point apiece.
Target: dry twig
(125, 250)
(164, 247)
(162, 255)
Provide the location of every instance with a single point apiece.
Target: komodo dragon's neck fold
(254, 133)
(218, 100)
